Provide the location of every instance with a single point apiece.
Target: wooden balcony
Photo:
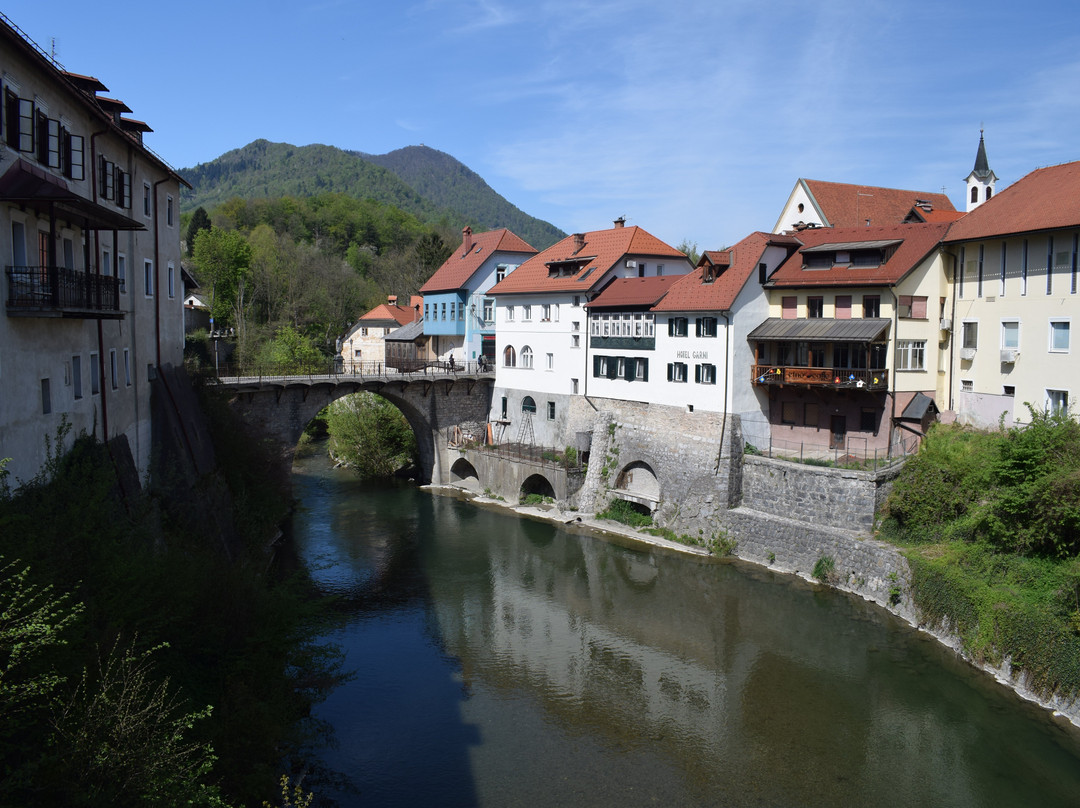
(61, 292)
(836, 378)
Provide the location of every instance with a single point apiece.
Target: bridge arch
(464, 473)
(536, 484)
(637, 482)
(281, 407)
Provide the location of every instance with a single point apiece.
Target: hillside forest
(290, 275)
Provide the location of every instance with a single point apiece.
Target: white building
(1015, 298)
(541, 324)
(92, 293)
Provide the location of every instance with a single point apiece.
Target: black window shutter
(643, 369)
(596, 366)
(670, 372)
(697, 373)
(697, 327)
(671, 327)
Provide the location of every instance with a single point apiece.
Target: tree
(222, 259)
(200, 220)
(291, 352)
(370, 435)
(689, 249)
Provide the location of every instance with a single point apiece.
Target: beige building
(363, 345)
(853, 355)
(1015, 298)
(89, 233)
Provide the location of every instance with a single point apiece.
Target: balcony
(62, 292)
(835, 378)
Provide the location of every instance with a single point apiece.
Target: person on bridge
(451, 363)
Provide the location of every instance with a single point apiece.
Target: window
(620, 368)
(912, 308)
(637, 370)
(911, 354)
(107, 178)
(146, 199)
(444, 310)
(1023, 267)
(510, 314)
(18, 244)
(509, 357)
(1059, 336)
(600, 366)
(555, 312)
(528, 405)
(503, 410)
(967, 386)
(573, 386)
(1057, 401)
(546, 312)
(46, 397)
(95, 374)
(551, 410)
(1008, 390)
(868, 421)
(706, 327)
(453, 310)
(705, 374)
(676, 372)
(489, 310)
(49, 143)
(974, 194)
(677, 327)
(20, 122)
(871, 306)
(843, 307)
(1004, 256)
(127, 368)
(76, 376)
(500, 272)
(123, 188)
(148, 278)
(810, 414)
(69, 253)
(1010, 334)
(526, 313)
(113, 374)
(550, 361)
(363, 332)
(526, 357)
(788, 412)
(427, 311)
(575, 340)
(979, 274)
(575, 326)
(169, 211)
(577, 300)
(790, 308)
(969, 336)
(815, 307)
(172, 281)
(1050, 265)
(74, 159)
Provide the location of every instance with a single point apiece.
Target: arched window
(526, 357)
(989, 192)
(527, 403)
(509, 357)
(975, 193)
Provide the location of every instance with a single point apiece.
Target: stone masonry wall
(814, 494)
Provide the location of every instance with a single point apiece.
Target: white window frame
(526, 313)
(1068, 335)
(1004, 331)
(1057, 399)
(911, 355)
(526, 357)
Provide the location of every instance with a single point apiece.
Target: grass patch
(628, 513)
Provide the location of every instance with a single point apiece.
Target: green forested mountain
(449, 184)
(429, 184)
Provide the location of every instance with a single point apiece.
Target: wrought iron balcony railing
(61, 292)
(839, 378)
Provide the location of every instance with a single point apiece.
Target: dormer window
(843, 257)
(709, 276)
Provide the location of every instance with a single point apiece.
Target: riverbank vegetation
(148, 656)
(370, 436)
(991, 526)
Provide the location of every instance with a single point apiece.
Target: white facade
(92, 294)
(1013, 327)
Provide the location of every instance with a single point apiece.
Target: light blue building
(459, 317)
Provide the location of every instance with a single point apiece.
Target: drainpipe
(892, 381)
(727, 375)
(100, 330)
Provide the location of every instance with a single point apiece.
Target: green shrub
(629, 513)
(825, 569)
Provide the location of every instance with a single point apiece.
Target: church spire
(980, 182)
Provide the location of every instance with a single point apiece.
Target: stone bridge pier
(436, 407)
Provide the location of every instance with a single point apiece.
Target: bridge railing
(360, 370)
(531, 453)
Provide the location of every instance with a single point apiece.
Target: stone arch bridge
(436, 405)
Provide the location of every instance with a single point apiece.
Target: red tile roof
(599, 251)
(691, 293)
(917, 241)
(1046, 199)
(846, 205)
(385, 312)
(624, 292)
(466, 259)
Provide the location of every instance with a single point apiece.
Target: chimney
(579, 242)
(620, 222)
(466, 240)
(391, 300)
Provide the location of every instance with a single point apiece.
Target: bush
(371, 435)
(629, 513)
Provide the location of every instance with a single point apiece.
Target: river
(501, 661)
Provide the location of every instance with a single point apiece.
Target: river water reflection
(506, 662)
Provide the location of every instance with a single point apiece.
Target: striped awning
(821, 329)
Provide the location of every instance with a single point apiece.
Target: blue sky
(691, 119)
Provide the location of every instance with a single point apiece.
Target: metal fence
(854, 453)
(550, 456)
(332, 370)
